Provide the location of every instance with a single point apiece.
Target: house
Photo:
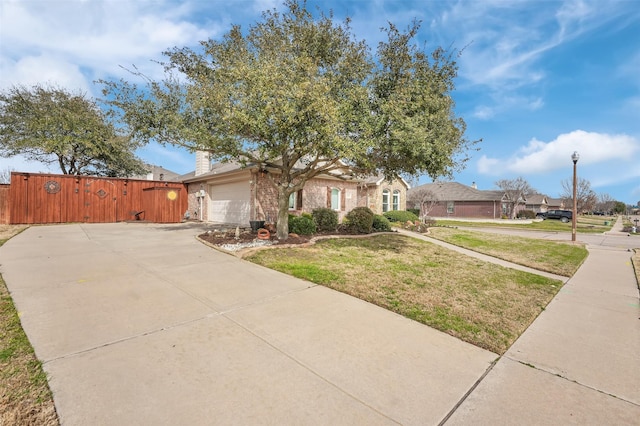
(537, 203)
(236, 194)
(157, 173)
(382, 196)
(453, 199)
(555, 203)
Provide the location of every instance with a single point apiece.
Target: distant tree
(517, 191)
(52, 125)
(302, 97)
(605, 203)
(619, 207)
(422, 199)
(586, 198)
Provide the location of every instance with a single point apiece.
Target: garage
(230, 202)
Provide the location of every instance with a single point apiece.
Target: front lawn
(555, 257)
(479, 302)
(584, 225)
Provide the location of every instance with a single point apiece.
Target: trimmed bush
(359, 220)
(381, 223)
(526, 214)
(414, 211)
(301, 225)
(326, 220)
(400, 216)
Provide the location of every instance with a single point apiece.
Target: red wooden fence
(48, 198)
(4, 204)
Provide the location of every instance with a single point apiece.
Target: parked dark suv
(562, 215)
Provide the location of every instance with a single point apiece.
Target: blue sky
(538, 79)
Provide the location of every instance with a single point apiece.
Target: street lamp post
(574, 157)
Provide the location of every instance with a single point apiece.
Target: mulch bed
(220, 238)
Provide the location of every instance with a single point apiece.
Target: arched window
(386, 194)
(396, 200)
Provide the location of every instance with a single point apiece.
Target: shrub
(414, 211)
(400, 216)
(326, 220)
(359, 220)
(381, 223)
(526, 214)
(301, 225)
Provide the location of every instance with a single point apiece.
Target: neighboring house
(457, 200)
(233, 194)
(157, 173)
(555, 203)
(537, 203)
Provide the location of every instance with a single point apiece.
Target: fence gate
(100, 201)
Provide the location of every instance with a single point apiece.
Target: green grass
(585, 225)
(555, 257)
(476, 301)
(25, 398)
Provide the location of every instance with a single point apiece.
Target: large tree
(586, 197)
(300, 96)
(517, 191)
(52, 125)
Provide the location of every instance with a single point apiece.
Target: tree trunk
(282, 226)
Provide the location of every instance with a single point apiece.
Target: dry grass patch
(556, 257)
(8, 231)
(479, 302)
(25, 398)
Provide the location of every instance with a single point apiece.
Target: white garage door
(230, 203)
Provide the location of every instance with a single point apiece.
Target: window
(385, 201)
(396, 200)
(450, 207)
(295, 201)
(335, 199)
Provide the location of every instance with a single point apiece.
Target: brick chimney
(203, 162)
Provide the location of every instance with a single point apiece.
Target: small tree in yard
(52, 125)
(423, 199)
(517, 191)
(301, 97)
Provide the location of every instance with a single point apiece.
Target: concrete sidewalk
(578, 363)
(142, 324)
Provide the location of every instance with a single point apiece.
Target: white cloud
(535, 104)
(75, 42)
(31, 70)
(489, 166)
(543, 157)
(507, 41)
(484, 112)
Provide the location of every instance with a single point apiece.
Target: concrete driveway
(142, 324)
